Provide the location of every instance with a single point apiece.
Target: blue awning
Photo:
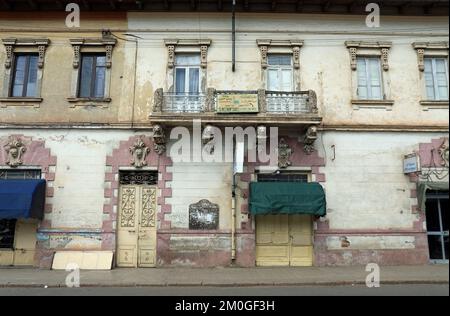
(22, 199)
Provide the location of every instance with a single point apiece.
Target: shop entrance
(437, 209)
(18, 236)
(136, 232)
(284, 240)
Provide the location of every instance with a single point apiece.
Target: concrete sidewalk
(431, 274)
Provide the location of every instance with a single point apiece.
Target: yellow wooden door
(127, 230)
(284, 240)
(136, 241)
(147, 228)
(272, 240)
(300, 233)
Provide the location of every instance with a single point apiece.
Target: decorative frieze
(15, 149)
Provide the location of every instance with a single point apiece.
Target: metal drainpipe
(233, 220)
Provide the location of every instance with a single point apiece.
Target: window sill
(14, 101)
(373, 104)
(93, 102)
(434, 105)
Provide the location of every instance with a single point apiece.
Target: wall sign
(204, 215)
(411, 164)
(237, 103)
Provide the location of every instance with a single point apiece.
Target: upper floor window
(24, 82)
(369, 78)
(92, 76)
(187, 74)
(436, 78)
(92, 71)
(280, 73)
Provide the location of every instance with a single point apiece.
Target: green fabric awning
(422, 189)
(287, 198)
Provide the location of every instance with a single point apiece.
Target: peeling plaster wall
(372, 213)
(366, 188)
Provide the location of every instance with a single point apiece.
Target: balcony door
(187, 83)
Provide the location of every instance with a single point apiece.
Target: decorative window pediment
(14, 45)
(268, 46)
(434, 49)
(187, 46)
(105, 45)
(359, 48)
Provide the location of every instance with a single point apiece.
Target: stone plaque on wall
(204, 215)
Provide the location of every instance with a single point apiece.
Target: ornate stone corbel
(262, 101)
(284, 154)
(444, 153)
(139, 152)
(312, 101)
(15, 150)
(310, 138)
(171, 56)
(385, 58)
(264, 56)
(159, 138)
(421, 59)
(41, 50)
(208, 139)
(261, 136)
(204, 56)
(9, 56)
(210, 99)
(296, 55)
(353, 58)
(158, 101)
(108, 50)
(76, 56)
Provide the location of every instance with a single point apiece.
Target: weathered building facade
(98, 112)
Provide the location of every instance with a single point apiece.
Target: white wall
(366, 187)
